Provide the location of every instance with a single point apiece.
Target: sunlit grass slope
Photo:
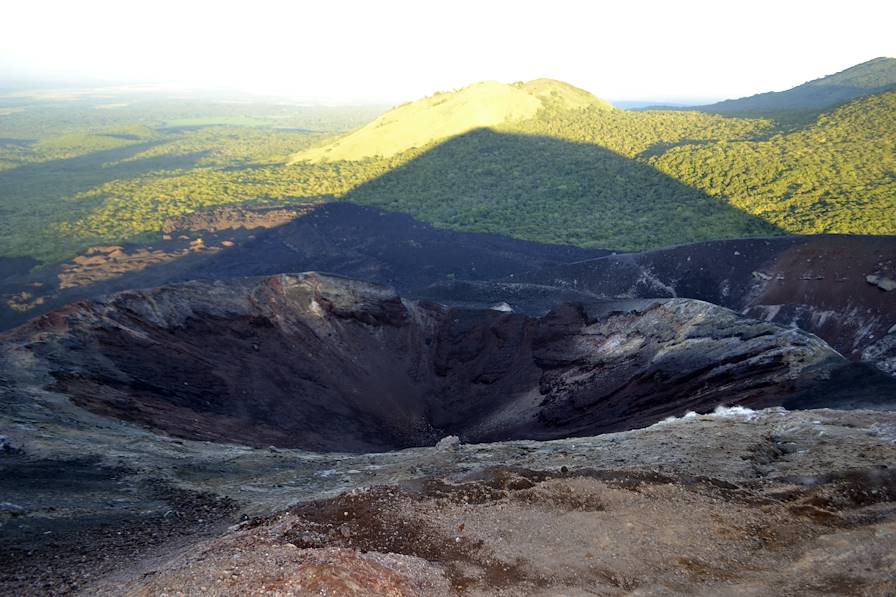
(445, 115)
(557, 94)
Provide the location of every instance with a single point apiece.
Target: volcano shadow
(388, 248)
(70, 176)
(30, 194)
(490, 185)
(549, 190)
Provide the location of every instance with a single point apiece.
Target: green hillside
(444, 115)
(573, 171)
(634, 180)
(552, 190)
(566, 175)
(836, 176)
(559, 95)
(868, 78)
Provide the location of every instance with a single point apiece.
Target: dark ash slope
(383, 247)
(342, 238)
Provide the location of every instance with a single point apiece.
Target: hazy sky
(399, 50)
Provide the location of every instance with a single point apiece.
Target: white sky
(396, 50)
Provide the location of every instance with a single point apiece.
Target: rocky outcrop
(816, 283)
(883, 282)
(328, 363)
(883, 354)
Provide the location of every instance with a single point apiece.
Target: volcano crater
(326, 363)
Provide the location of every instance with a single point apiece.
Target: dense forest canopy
(76, 172)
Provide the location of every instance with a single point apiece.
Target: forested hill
(633, 180)
(575, 171)
(864, 79)
(835, 176)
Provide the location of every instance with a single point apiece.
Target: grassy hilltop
(417, 124)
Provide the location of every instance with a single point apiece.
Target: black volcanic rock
(342, 238)
(385, 248)
(328, 363)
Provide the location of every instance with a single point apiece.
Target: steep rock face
(817, 283)
(327, 363)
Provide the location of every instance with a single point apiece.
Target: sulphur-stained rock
(328, 363)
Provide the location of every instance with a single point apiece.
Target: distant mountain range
(868, 78)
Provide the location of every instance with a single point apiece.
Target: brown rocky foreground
(587, 532)
(734, 503)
